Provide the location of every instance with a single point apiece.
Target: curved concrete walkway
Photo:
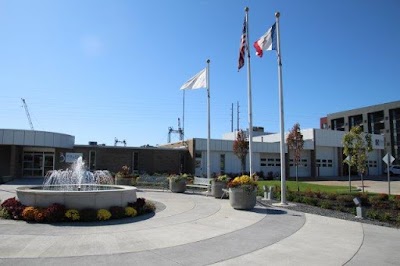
(197, 230)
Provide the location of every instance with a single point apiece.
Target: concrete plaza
(191, 229)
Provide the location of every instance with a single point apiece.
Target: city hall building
(322, 155)
(28, 153)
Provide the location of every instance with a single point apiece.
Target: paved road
(191, 229)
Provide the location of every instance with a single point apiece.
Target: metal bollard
(270, 190)
(265, 193)
(359, 209)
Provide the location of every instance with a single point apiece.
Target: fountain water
(77, 188)
(77, 177)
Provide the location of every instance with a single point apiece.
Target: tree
(241, 148)
(357, 145)
(295, 143)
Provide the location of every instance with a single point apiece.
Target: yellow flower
(72, 214)
(103, 214)
(131, 212)
(243, 180)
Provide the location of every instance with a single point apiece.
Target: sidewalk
(192, 229)
(376, 186)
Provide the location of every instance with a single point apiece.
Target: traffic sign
(388, 157)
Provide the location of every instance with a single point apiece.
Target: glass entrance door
(37, 164)
(48, 164)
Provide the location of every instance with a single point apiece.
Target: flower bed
(378, 207)
(55, 213)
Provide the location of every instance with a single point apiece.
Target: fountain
(77, 188)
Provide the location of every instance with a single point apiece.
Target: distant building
(32, 153)
(381, 119)
(322, 155)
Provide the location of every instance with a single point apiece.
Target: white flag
(197, 82)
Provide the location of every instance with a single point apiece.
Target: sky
(100, 70)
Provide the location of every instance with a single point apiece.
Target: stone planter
(177, 186)
(216, 188)
(124, 181)
(242, 199)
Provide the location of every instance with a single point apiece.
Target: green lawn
(306, 186)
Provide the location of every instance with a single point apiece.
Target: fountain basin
(97, 197)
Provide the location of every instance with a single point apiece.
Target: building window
(92, 160)
(324, 163)
(376, 123)
(135, 161)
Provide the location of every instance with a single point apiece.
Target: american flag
(243, 45)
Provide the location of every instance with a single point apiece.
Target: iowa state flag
(266, 42)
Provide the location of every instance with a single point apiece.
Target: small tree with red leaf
(295, 144)
(241, 148)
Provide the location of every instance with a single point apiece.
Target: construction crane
(178, 131)
(27, 113)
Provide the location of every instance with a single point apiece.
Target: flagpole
(282, 146)
(250, 109)
(208, 111)
(183, 117)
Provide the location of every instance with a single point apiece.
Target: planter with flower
(125, 177)
(177, 183)
(243, 192)
(218, 184)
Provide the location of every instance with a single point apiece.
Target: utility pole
(232, 118)
(27, 113)
(237, 110)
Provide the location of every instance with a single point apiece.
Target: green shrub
(396, 202)
(310, 201)
(339, 208)
(326, 204)
(345, 200)
(380, 205)
(309, 193)
(4, 214)
(372, 214)
(290, 196)
(332, 196)
(386, 217)
(383, 196)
